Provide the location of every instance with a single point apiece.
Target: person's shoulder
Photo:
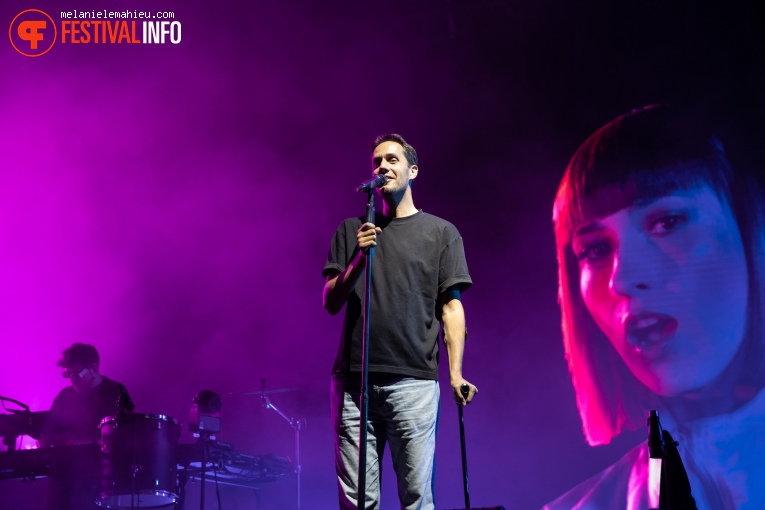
(65, 393)
(354, 220)
(432, 218)
(351, 223)
(108, 384)
(112, 381)
(437, 222)
(606, 490)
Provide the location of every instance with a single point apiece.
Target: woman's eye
(667, 223)
(594, 251)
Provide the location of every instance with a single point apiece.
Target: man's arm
(54, 431)
(453, 316)
(338, 286)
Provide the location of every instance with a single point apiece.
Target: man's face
(666, 281)
(83, 378)
(388, 159)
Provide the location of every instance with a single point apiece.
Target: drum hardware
(296, 423)
(141, 463)
(204, 423)
(263, 391)
(229, 467)
(124, 403)
(204, 417)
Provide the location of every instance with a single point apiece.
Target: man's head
(396, 160)
(409, 152)
(80, 363)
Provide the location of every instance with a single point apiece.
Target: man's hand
(366, 236)
(339, 285)
(456, 385)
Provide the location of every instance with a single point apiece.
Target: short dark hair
(409, 152)
(79, 354)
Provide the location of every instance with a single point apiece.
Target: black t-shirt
(75, 416)
(417, 258)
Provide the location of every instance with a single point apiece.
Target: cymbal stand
(296, 424)
(204, 439)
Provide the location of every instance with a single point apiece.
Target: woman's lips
(650, 332)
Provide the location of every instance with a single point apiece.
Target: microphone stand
(203, 442)
(125, 408)
(364, 403)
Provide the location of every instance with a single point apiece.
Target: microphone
(374, 182)
(655, 439)
(656, 455)
(124, 402)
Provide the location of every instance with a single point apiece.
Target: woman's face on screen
(666, 281)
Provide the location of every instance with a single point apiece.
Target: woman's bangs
(602, 193)
(638, 157)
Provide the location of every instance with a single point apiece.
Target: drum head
(158, 500)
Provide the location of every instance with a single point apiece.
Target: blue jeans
(403, 412)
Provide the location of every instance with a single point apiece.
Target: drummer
(74, 418)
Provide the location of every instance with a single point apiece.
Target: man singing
(419, 272)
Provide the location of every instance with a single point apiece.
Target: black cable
(14, 401)
(133, 496)
(217, 488)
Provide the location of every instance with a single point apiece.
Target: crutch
(465, 390)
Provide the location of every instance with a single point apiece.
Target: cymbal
(263, 391)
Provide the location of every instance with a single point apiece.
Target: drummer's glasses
(79, 375)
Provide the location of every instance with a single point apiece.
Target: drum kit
(142, 463)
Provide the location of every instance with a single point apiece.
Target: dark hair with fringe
(409, 152)
(645, 154)
(79, 354)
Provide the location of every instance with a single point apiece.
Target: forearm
(453, 316)
(339, 287)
